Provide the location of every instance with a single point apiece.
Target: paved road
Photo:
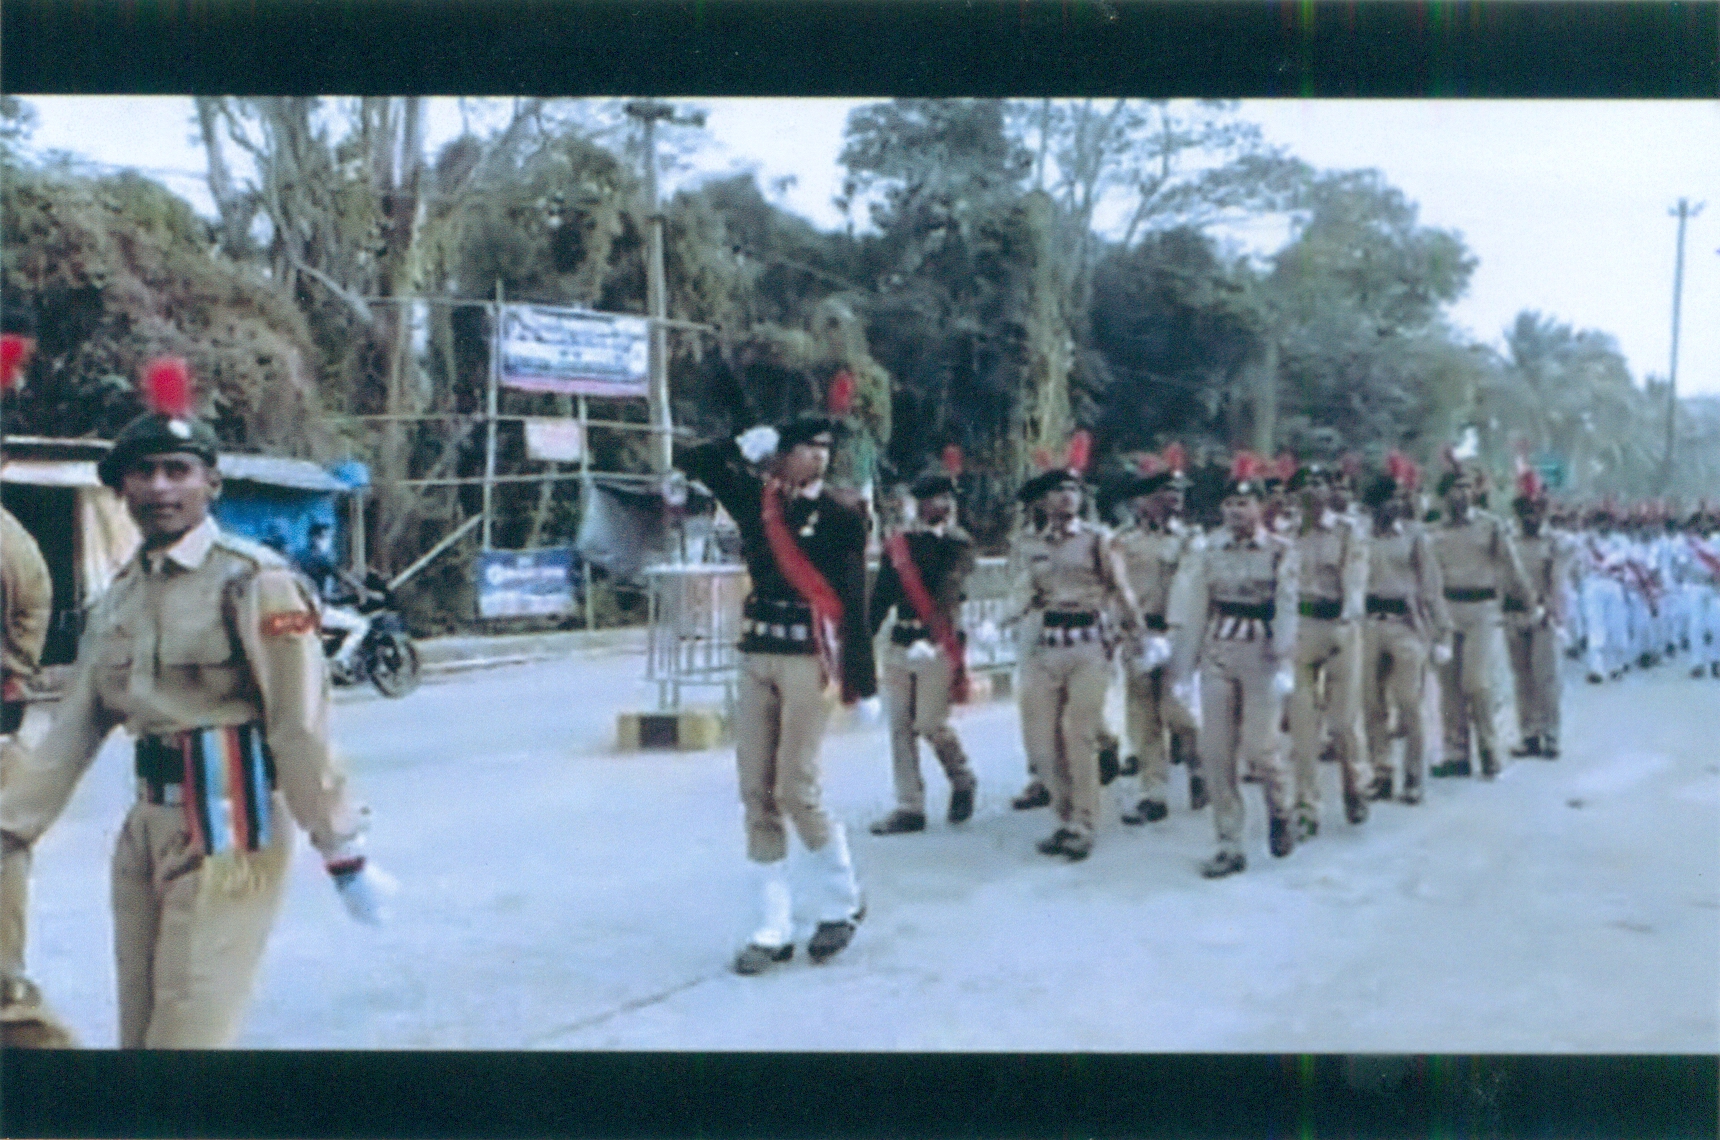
(561, 896)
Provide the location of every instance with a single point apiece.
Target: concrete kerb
(439, 655)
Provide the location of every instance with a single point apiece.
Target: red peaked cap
(15, 349)
(952, 460)
(167, 387)
(840, 398)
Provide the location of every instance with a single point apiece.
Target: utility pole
(649, 112)
(1684, 212)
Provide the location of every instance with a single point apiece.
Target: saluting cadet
(1152, 546)
(920, 579)
(205, 648)
(1233, 616)
(804, 644)
(1478, 563)
(1332, 553)
(1534, 621)
(1071, 580)
(1407, 621)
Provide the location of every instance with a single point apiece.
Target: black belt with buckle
(1323, 608)
(1069, 619)
(1262, 611)
(1460, 594)
(1156, 623)
(1379, 605)
(1515, 606)
(908, 632)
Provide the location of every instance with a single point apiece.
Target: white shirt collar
(812, 490)
(191, 549)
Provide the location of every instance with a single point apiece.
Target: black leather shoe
(1411, 794)
(1147, 811)
(1197, 797)
(1489, 766)
(1036, 795)
(1281, 838)
(1449, 768)
(961, 804)
(1077, 847)
(1131, 766)
(1108, 765)
(1053, 845)
(1549, 748)
(1224, 863)
(1531, 747)
(1381, 789)
(1355, 806)
(830, 939)
(754, 959)
(900, 822)
(1307, 827)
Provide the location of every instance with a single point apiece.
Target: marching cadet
(1532, 641)
(1477, 562)
(804, 640)
(1332, 554)
(1407, 621)
(921, 580)
(205, 648)
(26, 605)
(1233, 616)
(1152, 546)
(1071, 577)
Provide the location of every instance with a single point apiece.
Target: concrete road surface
(558, 895)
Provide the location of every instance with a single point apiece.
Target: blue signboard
(525, 583)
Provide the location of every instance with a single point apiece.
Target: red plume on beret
(1247, 465)
(840, 398)
(1150, 464)
(1529, 484)
(1175, 457)
(15, 349)
(167, 386)
(1403, 469)
(952, 461)
(1285, 466)
(1080, 450)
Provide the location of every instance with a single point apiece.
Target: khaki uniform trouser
(1470, 689)
(1062, 705)
(187, 950)
(1239, 717)
(1150, 712)
(1328, 663)
(917, 694)
(14, 877)
(1534, 656)
(781, 709)
(1394, 677)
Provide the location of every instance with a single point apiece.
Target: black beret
(1258, 488)
(1044, 483)
(805, 428)
(156, 434)
(1380, 489)
(932, 483)
(1147, 484)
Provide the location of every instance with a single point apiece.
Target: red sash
(1708, 559)
(811, 585)
(932, 617)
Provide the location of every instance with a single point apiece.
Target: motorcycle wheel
(394, 665)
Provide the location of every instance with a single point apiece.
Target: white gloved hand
(1183, 693)
(1154, 652)
(1441, 654)
(758, 444)
(871, 710)
(1284, 681)
(986, 633)
(365, 892)
(921, 651)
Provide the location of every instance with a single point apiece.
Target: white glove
(758, 444)
(1284, 681)
(365, 892)
(1184, 693)
(921, 651)
(871, 710)
(986, 633)
(1441, 654)
(1154, 652)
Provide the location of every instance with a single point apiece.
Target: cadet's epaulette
(256, 552)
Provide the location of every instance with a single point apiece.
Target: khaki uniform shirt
(1253, 571)
(1545, 561)
(214, 631)
(1478, 554)
(1078, 571)
(26, 597)
(1402, 565)
(1334, 565)
(1150, 557)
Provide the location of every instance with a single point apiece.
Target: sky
(1566, 204)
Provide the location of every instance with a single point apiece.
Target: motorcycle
(386, 658)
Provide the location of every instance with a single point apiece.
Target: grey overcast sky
(1565, 203)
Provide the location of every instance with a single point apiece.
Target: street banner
(525, 583)
(574, 352)
(557, 440)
